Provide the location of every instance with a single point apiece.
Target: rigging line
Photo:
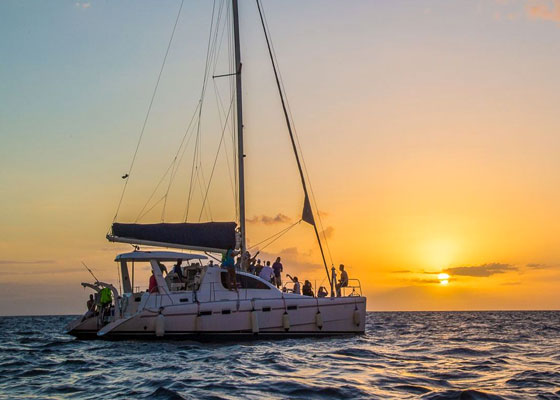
(215, 160)
(173, 170)
(282, 232)
(288, 123)
(153, 193)
(151, 208)
(212, 35)
(299, 147)
(217, 53)
(208, 49)
(177, 165)
(220, 106)
(201, 185)
(149, 110)
(215, 43)
(188, 140)
(196, 145)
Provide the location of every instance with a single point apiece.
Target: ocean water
(428, 355)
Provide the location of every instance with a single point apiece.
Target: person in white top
(297, 285)
(266, 273)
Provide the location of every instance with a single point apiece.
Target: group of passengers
(268, 273)
(273, 274)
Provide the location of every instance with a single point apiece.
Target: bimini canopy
(208, 236)
(159, 256)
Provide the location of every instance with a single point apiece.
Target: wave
(462, 395)
(464, 351)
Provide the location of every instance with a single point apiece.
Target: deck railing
(355, 288)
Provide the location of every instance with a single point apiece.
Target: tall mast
(239, 104)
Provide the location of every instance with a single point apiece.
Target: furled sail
(209, 236)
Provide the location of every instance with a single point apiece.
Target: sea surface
(427, 355)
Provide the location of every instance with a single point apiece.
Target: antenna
(89, 270)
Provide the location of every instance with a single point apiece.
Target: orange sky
(430, 133)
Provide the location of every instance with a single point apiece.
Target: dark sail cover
(214, 235)
(307, 214)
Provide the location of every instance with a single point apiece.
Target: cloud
(290, 251)
(548, 10)
(30, 262)
(539, 266)
(328, 232)
(267, 220)
(84, 4)
(484, 270)
(516, 283)
(424, 281)
(402, 271)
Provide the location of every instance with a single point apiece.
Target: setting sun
(443, 278)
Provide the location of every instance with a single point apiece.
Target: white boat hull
(259, 318)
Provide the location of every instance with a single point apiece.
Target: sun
(443, 278)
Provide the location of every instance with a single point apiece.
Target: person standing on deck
(177, 269)
(258, 267)
(229, 264)
(266, 272)
(278, 268)
(153, 286)
(343, 282)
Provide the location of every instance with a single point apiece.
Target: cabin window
(244, 282)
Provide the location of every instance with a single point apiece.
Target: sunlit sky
(430, 131)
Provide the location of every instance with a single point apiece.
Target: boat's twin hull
(230, 319)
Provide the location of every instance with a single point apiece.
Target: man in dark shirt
(177, 269)
(343, 282)
(277, 268)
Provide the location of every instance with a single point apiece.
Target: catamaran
(201, 303)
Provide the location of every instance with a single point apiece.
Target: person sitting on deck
(297, 286)
(266, 272)
(343, 281)
(90, 308)
(90, 303)
(153, 286)
(178, 270)
(307, 289)
(322, 292)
